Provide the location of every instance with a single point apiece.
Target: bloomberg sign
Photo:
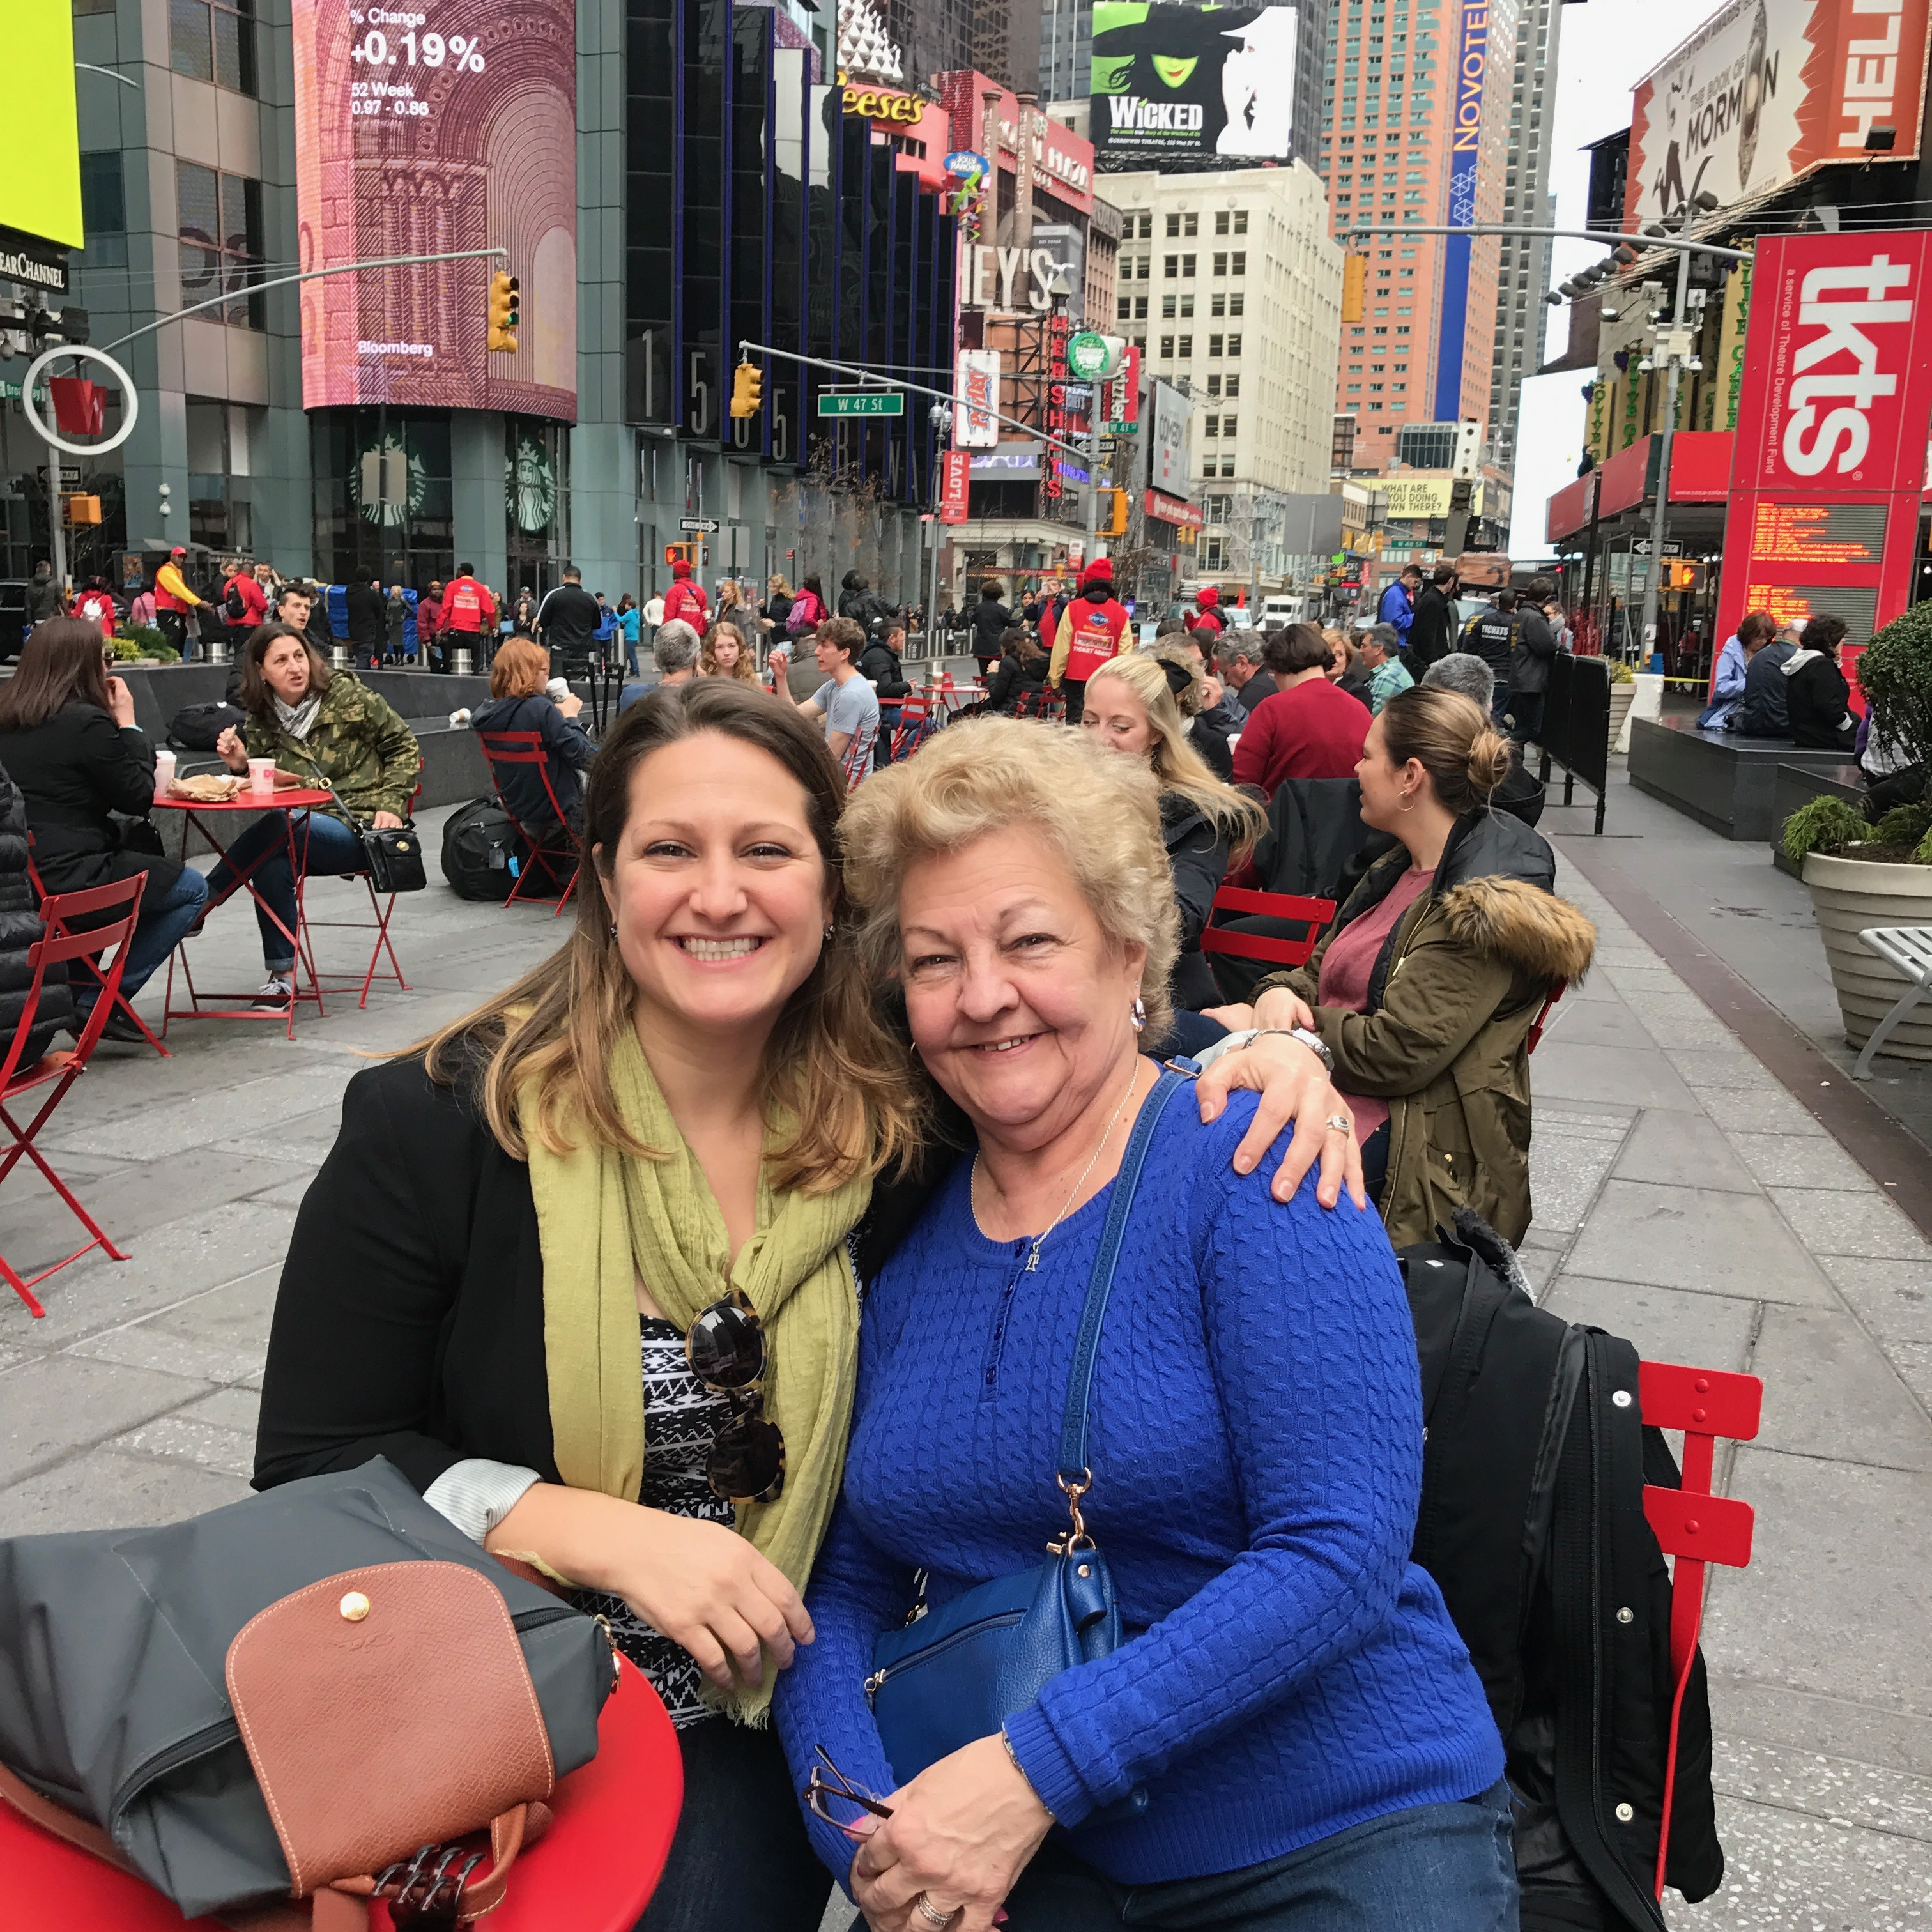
(1472, 57)
(1830, 456)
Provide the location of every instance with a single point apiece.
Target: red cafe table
(594, 1870)
(202, 816)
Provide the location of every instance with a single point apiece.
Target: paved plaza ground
(1685, 1198)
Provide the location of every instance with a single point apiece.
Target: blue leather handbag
(954, 1674)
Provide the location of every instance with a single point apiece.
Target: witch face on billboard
(1192, 83)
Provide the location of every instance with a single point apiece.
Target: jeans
(1526, 709)
(1375, 1161)
(159, 930)
(740, 1858)
(332, 847)
(1075, 691)
(1430, 1868)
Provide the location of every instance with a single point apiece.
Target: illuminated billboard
(40, 186)
(425, 129)
(1192, 83)
(1768, 89)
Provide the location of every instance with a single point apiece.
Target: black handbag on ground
(119, 1681)
(482, 852)
(955, 1674)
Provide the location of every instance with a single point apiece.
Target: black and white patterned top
(681, 1416)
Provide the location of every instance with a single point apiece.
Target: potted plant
(1623, 688)
(1862, 872)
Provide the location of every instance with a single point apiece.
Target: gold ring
(931, 1914)
(1340, 1123)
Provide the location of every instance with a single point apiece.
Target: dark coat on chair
(77, 772)
(19, 928)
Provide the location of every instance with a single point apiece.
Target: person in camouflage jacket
(329, 730)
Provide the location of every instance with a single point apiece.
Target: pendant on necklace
(1033, 1262)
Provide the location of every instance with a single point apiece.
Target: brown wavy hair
(831, 1065)
(744, 671)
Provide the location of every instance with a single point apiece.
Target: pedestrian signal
(505, 312)
(682, 553)
(1355, 279)
(747, 389)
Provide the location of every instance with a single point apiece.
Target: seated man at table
(330, 733)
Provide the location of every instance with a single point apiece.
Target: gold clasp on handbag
(1076, 1537)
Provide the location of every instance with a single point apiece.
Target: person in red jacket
(429, 624)
(467, 605)
(1093, 630)
(684, 602)
(244, 604)
(1308, 728)
(1207, 610)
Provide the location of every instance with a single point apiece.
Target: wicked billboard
(1194, 85)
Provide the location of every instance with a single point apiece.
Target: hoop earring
(1137, 1015)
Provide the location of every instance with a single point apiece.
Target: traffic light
(505, 312)
(747, 389)
(1355, 280)
(682, 553)
(1117, 526)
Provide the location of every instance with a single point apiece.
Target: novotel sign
(877, 103)
(1472, 57)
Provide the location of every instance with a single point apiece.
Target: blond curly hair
(1100, 811)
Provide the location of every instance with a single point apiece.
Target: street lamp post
(1675, 343)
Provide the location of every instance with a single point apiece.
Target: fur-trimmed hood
(1544, 936)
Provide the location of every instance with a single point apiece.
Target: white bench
(1909, 948)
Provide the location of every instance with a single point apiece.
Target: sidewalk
(1684, 1199)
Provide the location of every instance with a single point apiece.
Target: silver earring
(1137, 1014)
(613, 929)
(829, 931)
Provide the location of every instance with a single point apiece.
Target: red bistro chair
(1691, 1526)
(1542, 1020)
(88, 966)
(915, 721)
(594, 1870)
(57, 1072)
(503, 749)
(1247, 904)
(383, 909)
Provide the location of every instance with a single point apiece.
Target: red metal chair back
(88, 966)
(510, 749)
(915, 710)
(1245, 903)
(1542, 1020)
(1692, 1525)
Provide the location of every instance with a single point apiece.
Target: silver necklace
(1032, 1259)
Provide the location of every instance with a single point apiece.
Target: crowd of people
(730, 1267)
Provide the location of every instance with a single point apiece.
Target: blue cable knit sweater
(1256, 1445)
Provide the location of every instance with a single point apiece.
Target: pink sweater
(1346, 968)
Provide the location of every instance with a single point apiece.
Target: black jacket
(569, 620)
(879, 665)
(366, 611)
(1356, 681)
(1491, 635)
(991, 620)
(570, 752)
(1213, 748)
(1432, 634)
(1817, 703)
(75, 771)
(1535, 646)
(1761, 711)
(778, 608)
(1197, 853)
(1532, 1522)
(1011, 680)
(19, 928)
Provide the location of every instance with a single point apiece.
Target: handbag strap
(1073, 1472)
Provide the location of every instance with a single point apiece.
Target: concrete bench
(1726, 782)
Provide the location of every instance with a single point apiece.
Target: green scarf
(604, 1217)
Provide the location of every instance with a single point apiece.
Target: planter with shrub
(1623, 688)
(1865, 871)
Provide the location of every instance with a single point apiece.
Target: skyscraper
(1414, 135)
(1523, 268)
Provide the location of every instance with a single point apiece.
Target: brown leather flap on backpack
(384, 1709)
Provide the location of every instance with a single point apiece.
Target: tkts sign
(1830, 459)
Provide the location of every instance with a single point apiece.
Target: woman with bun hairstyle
(1425, 988)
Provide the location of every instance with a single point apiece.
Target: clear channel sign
(861, 403)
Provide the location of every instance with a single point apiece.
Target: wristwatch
(1314, 1043)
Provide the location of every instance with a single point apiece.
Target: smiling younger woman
(580, 1270)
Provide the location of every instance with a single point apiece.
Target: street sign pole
(1660, 510)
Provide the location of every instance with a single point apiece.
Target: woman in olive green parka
(1426, 987)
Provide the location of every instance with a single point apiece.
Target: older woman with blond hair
(1207, 825)
(1270, 1722)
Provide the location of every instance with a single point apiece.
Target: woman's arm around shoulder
(1313, 1357)
(373, 1267)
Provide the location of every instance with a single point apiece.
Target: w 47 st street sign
(861, 403)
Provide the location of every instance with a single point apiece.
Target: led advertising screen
(1191, 84)
(422, 129)
(40, 186)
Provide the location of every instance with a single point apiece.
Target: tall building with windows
(1403, 121)
(1232, 289)
(1522, 265)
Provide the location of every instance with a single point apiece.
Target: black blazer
(75, 772)
(409, 1321)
